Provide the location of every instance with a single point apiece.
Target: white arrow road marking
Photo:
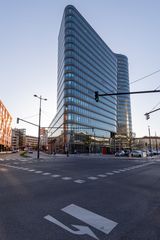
(81, 229)
(102, 224)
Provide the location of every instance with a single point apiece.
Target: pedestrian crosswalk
(81, 180)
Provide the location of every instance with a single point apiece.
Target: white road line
(79, 181)
(38, 172)
(11, 166)
(92, 178)
(116, 171)
(31, 170)
(5, 165)
(15, 167)
(22, 168)
(45, 174)
(102, 175)
(110, 173)
(55, 175)
(66, 178)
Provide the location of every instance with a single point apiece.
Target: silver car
(138, 153)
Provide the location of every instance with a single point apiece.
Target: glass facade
(123, 137)
(85, 65)
(124, 122)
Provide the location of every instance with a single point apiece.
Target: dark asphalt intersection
(79, 198)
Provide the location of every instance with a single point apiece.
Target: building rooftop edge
(73, 7)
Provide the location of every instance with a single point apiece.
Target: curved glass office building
(124, 122)
(85, 65)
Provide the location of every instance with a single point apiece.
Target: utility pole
(39, 125)
(130, 141)
(156, 143)
(150, 145)
(93, 131)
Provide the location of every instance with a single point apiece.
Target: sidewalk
(8, 152)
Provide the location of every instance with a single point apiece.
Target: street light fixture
(39, 126)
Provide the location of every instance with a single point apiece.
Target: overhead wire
(149, 75)
(46, 114)
(155, 107)
(157, 87)
(35, 115)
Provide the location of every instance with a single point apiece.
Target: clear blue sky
(28, 53)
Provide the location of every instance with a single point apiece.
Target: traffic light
(96, 96)
(147, 116)
(17, 120)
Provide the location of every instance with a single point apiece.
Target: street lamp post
(66, 132)
(156, 143)
(149, 132)
(93, 131)
(39, 125)
(130, 141)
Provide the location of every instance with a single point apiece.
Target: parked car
(14, 151)
(127, 153)
(138, 153)
(154, 152)
(30, 151)
(148, 153)
(120, 154)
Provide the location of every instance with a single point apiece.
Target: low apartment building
(31, 142)
(18, 138)
(147, 142)
(5, 128)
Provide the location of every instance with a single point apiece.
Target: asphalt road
(104, 198)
